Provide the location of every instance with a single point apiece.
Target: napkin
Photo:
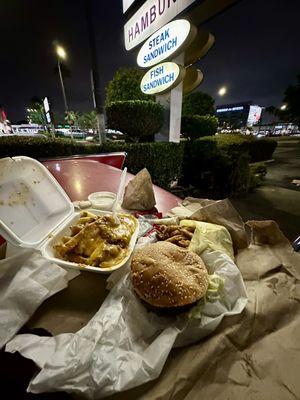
(26, 280)
(139, 194)
(124, 345)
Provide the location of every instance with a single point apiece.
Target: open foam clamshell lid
(32, 203)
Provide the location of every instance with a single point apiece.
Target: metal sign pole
(176, 106)
(164, 100)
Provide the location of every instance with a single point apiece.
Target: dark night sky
(256, 52)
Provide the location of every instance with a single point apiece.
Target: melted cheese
(99, 242)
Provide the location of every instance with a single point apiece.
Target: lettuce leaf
(214, 290)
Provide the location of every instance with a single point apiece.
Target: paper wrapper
(26, 280)
(220, 212)
(139, 194)
(124, 345)
(253, 355)
(209, 237)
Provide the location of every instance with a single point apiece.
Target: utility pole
(95, 80)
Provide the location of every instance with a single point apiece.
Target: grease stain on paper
(271, 284)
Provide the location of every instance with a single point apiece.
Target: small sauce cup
(102, 200)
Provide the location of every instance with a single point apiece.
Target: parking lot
(278, 198)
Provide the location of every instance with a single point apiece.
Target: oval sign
(199, 47)
(193, 78)
(162, 78)
(166, 42)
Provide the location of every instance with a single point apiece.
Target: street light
(62, 55)
(283, 107)
(60, 51)
(222, 91)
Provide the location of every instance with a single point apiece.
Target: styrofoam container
(48, 251)
(35, 210)
(32, 203)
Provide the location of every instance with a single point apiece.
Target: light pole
(62, 55)
(95, 80)
(283, 107)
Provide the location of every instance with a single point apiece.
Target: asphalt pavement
(278, 198)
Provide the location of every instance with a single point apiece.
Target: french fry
(179, 235)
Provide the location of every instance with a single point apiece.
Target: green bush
(193, 127)
(138, 120)
(163, 160)
(259, 169)
(125, 85)
(216, 165)
(258, 173)
(198, 103)
(42, 147)
(218, 169)
(261, 149)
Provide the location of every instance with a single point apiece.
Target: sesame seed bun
(165, 275)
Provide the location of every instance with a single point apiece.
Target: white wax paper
(124, 345)
(26, 280)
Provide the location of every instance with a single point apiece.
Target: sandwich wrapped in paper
(139, 194)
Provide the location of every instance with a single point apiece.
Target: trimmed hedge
(195, 126)
(42, 147)
(137, 119)
(259, 149)
(163, 160)
(217, 165)
(216, 168)
(262, 149)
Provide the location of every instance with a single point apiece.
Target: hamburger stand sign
(170, 48)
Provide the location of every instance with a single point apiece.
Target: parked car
(110, 135)
(76, 133)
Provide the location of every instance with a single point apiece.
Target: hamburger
(165, 276)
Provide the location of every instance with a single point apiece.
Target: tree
(198, 103)
(72, 118)
(88, 121)
(35, 112)
(292, 101)
(125, 85)
(196, 126)
(273, 110)
(138, 120)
